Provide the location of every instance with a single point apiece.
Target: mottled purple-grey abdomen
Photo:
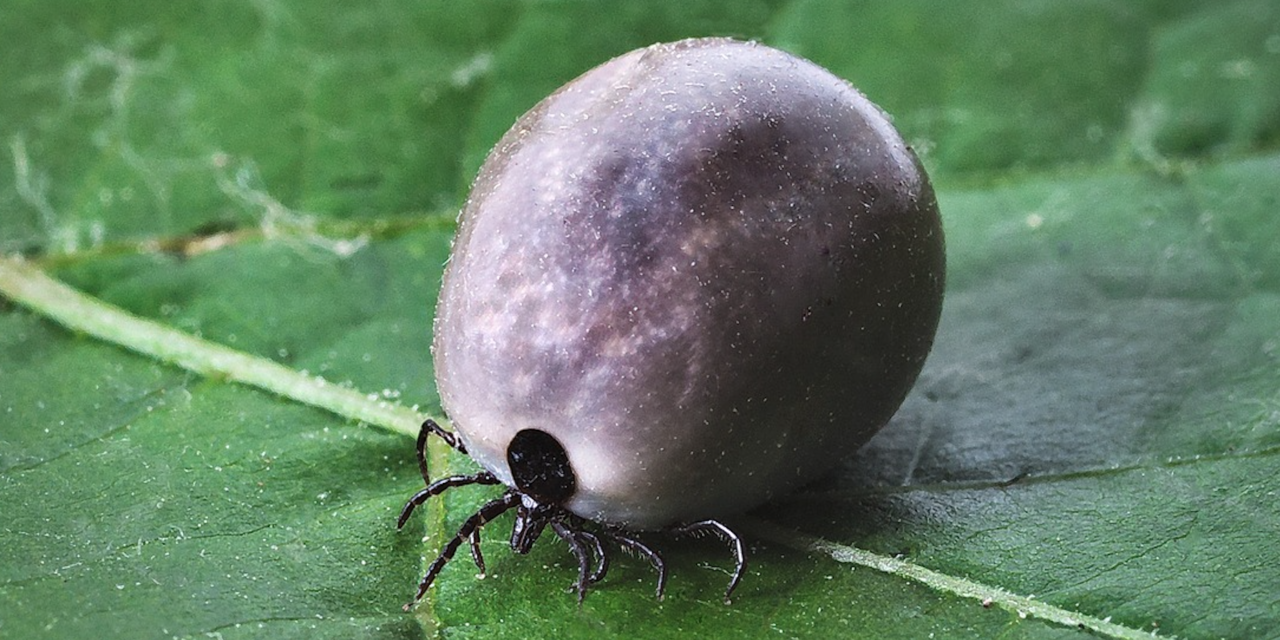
(710, 269)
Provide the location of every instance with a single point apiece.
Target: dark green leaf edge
(34, 289)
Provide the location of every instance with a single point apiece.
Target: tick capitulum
(544, 482)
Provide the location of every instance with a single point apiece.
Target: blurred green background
(282, 177)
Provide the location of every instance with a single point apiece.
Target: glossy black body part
(544, 481)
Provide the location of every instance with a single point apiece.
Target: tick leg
(440, 486)
(421, 448)
(429, 427)
(449, 438)
(580, 552)
(718, 529)
(602, 560)
(635, 546)
(489, 511)
(475, 552)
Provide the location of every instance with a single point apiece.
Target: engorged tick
(690, 280)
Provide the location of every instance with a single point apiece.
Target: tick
(691, 280)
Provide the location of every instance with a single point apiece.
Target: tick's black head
(544, 481)
(540, 467)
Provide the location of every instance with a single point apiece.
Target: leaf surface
(1097, 430)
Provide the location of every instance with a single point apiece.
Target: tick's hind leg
(718, 529)
(633, 545)
(429, 427)
(449, 438)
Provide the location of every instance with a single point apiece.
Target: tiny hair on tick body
(692, 279)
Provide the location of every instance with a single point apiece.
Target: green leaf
(255, 200)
